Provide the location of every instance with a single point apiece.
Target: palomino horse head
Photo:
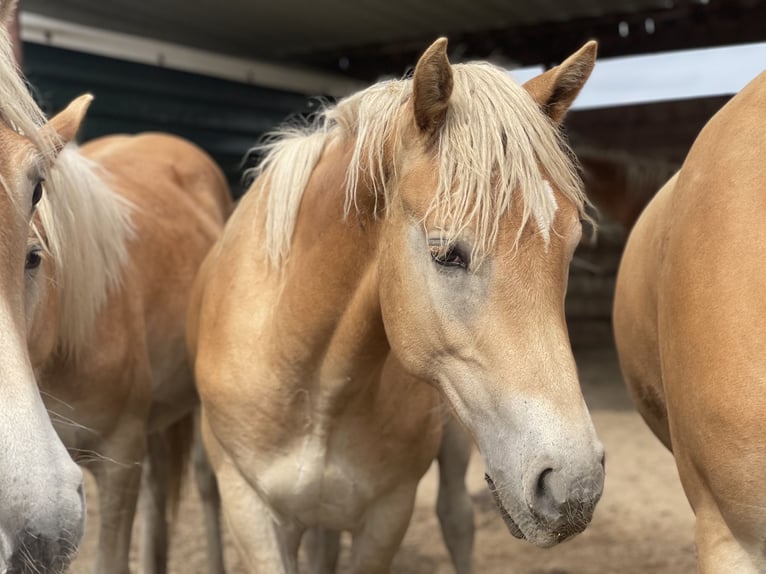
(41, 498)
(483, 212)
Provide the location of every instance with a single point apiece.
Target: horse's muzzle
(36, 553)
(563, 505)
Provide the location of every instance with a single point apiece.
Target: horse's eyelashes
(449, 256)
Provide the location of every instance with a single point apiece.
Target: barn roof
(368, 38)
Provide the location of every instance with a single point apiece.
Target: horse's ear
(556, 89)
(432, 87)
(67, 122)
(7, 11)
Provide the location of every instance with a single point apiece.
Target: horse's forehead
(421, 179)
(550, 231)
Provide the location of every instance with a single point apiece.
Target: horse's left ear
(556, 89)
(432, 87)
(67, 122)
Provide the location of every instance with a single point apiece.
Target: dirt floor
(643, 523)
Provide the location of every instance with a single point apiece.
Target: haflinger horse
(622, 184)
(688, 321)
(125, 224)
(410, 246)
(41, 492)
(111, 255)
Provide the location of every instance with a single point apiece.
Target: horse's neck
(330, 285)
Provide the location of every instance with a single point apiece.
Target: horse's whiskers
(55, 398)
(93, 456)
(58, 418)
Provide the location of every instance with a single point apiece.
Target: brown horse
(621, 184)
(418, 232)
(108, 340)
(688, 320)
(41, 498)
(114, 248)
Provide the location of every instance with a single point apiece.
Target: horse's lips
(513, 528)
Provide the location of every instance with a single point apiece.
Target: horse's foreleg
(375, 543)
(211, 503)
(719, 550)
(118, 476)
(454, 506)
(322, 548)
(154, 528)
(267, 544)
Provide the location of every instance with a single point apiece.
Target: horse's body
(689, 327)
(145, 210)
(336, 291)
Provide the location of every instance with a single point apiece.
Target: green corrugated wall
(225, 118)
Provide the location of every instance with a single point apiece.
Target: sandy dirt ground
(643, 523)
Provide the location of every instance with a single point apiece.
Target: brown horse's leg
(454, 506)
(375, 543)
(322, 548)
(118, 476)
(719, 551)
(266, 547)
(154, 528)
(211, 503)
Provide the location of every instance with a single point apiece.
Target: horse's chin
(510, 523)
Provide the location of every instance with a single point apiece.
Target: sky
(667, 76)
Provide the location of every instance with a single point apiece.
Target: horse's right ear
(7, 10)
(66, 123)
(432, 87)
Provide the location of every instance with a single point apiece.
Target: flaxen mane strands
(495, 142)
(87, 228)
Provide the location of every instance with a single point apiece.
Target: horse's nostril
(603, 460)
(541, 488)
(564, 502)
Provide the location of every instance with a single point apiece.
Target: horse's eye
(449, 256)
(34, 258)
(37, 194)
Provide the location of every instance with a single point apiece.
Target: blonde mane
(18, 110)
(495, 142)
(84, 225)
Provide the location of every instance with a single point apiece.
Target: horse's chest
(316, 483)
